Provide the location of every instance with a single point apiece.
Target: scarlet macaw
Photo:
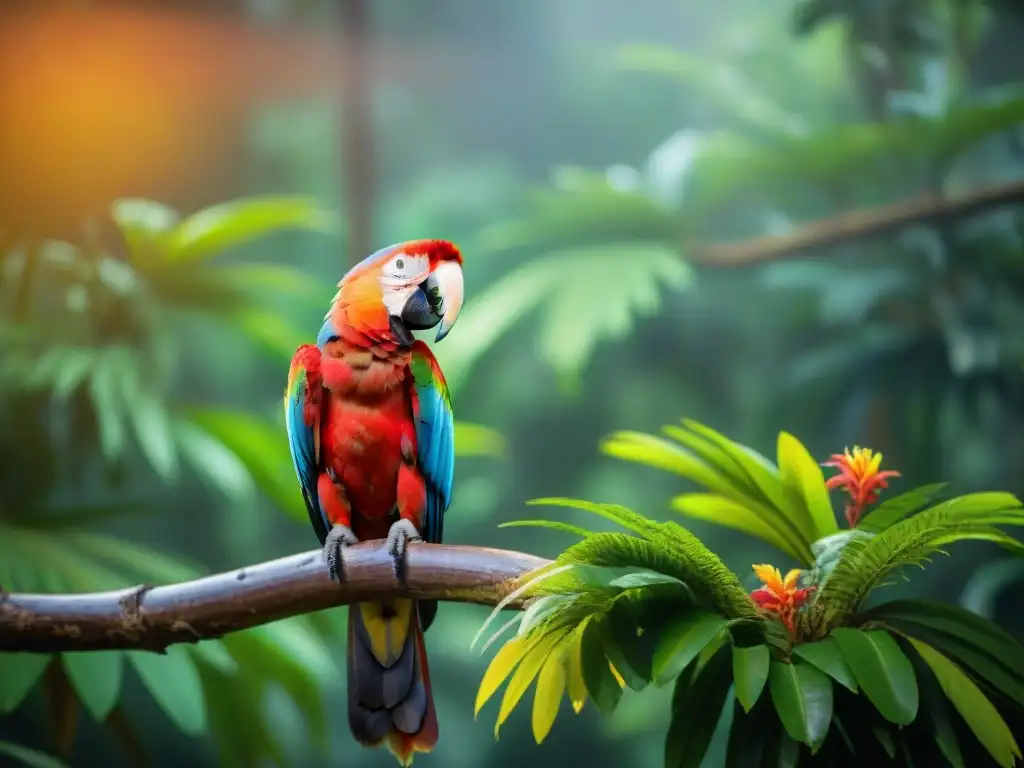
(371, 435)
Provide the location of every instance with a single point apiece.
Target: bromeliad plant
(809, 673)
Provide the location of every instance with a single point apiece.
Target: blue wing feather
(303, 444)
(435, 437)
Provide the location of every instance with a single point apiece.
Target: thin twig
(154, 618)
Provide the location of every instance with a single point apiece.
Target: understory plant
(804, 669)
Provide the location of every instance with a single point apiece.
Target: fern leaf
(865, 563)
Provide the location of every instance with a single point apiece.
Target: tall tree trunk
(357, 127)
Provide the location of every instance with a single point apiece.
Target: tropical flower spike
(860, 477)
(780, 595)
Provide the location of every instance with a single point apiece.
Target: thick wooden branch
(152, 618)
(859, 224)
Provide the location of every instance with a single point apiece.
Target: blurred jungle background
(760, 215)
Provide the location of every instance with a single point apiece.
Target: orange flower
(860, 477)
(780, 594)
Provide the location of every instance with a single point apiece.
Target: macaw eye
(400, 264)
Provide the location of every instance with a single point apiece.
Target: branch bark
(859, 224)
(152, 618)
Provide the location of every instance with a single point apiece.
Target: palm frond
(602, 606)
(586, 295)
(866, 562)
(786, 505)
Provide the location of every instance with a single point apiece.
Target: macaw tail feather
(389, 694)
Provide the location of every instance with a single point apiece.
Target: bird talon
(401, 533)
(338, 538)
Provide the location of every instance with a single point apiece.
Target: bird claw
(338, 538)
(399, 535)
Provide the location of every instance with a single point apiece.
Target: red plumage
(359, 398)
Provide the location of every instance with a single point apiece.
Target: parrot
(370, 429)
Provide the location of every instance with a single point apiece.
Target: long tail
(389, 693)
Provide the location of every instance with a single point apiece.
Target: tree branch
(859, 224)
(152, 618)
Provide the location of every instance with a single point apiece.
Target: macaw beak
(438, 299)
(445, 290)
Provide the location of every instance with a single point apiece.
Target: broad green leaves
(19, 672)
(682, 641)
(96, 678)
(32, 758)
(260, 448)
(696, 707)
(976, 710)
(154, 231)
(655, 605)
(750, 673)
(802, 695)
(882, 672)
(786, 505)
(173, 681)
(826, 655)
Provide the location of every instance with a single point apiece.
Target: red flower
(780, 595)
(860, 477)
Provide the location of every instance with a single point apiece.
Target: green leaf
(553, 525)
(601, 684)
(713, 83)
(216, 655)
(696, 708)
(143, 223)
(977, 711)
(595, 213)
(238, 719)
(802, 474)
(881, 733)
(894, 509)
(760, 473)
(96, 678)
(30, 757)
(571, 326)
(268, 329)
(261, 447)
(988, 582)
(478, 440)
(216, 464)
(749, 673)
(681, 642)
(173, 681)
(663, 454)
(826, 656)
(153, 431)
(713, 508)
(956, 622)
(882, 671)
(289, 654)
(228, 225)
(19, 673)
(935, 703)
(541, 609)
(105, 390)
(629, 647)
(802, 695)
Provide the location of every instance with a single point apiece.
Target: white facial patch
(399, 278)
